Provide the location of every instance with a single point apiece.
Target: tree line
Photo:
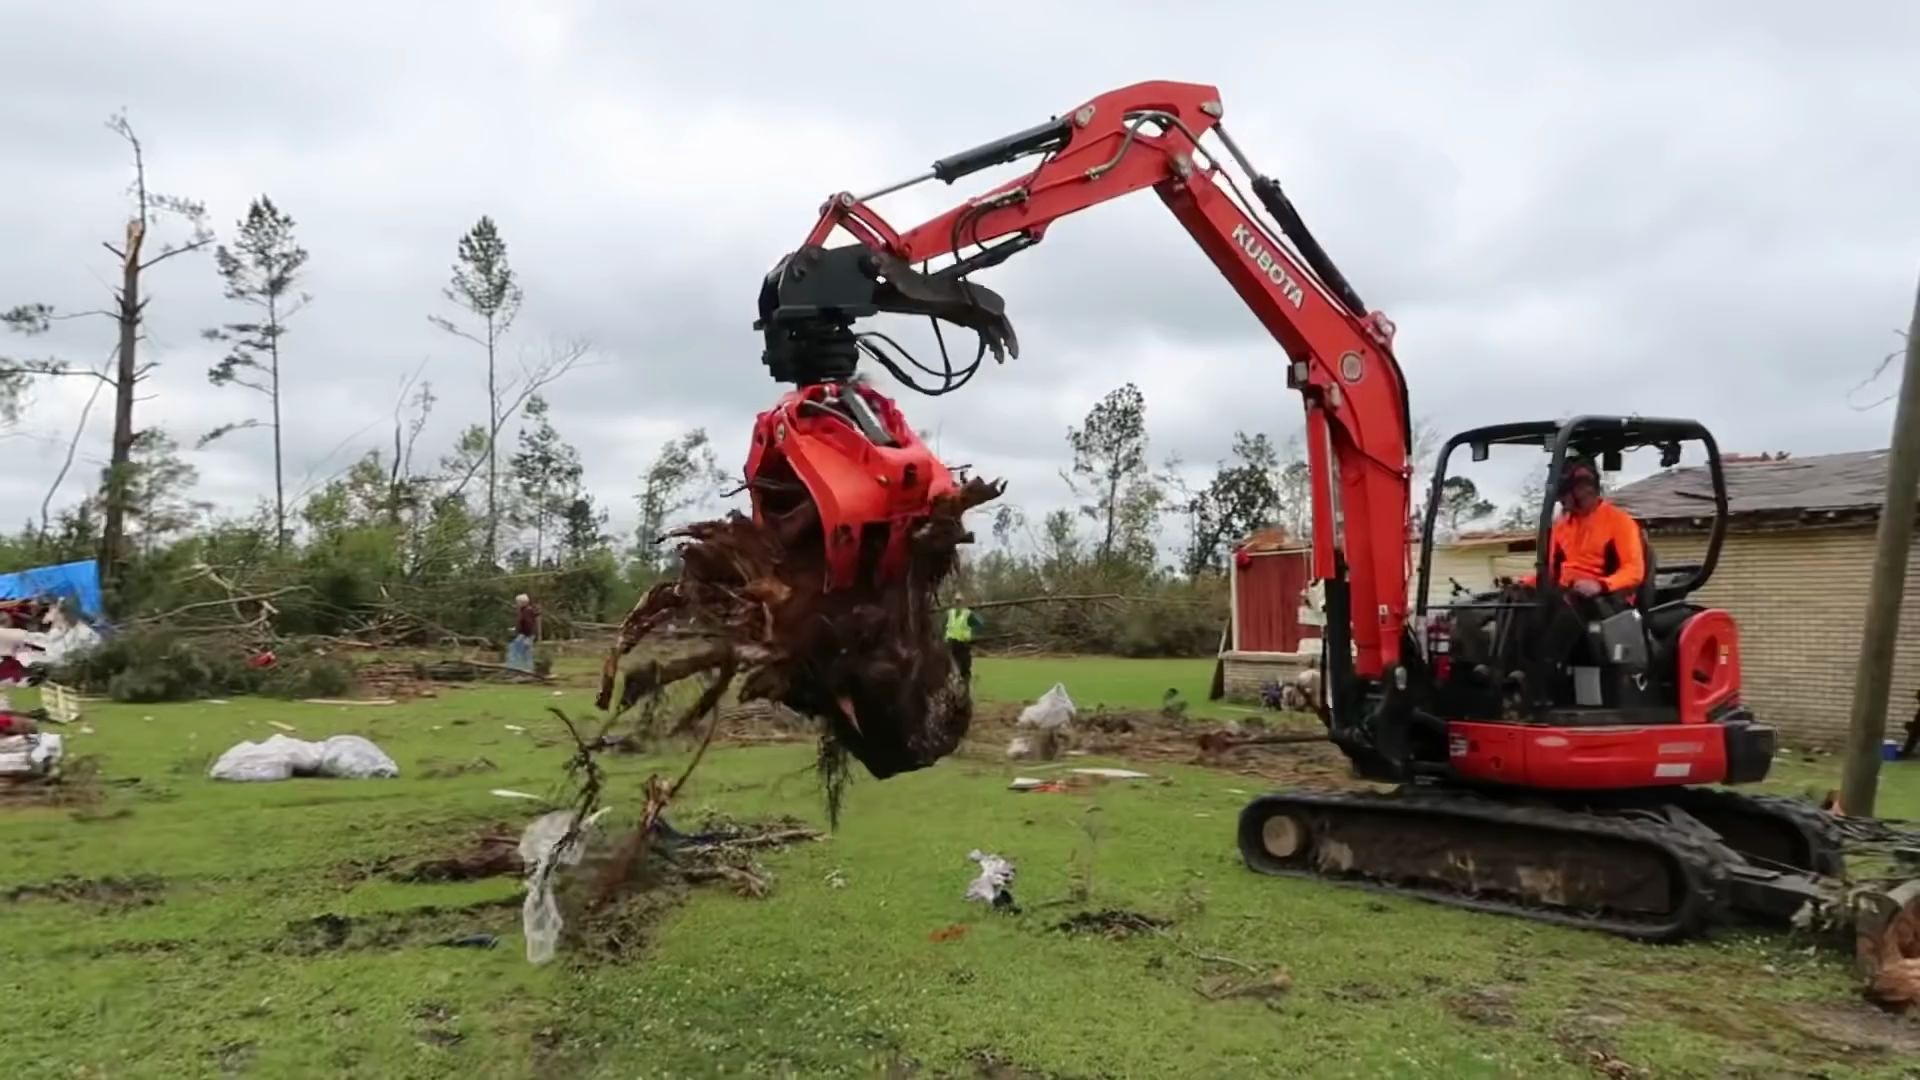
(399, 531)
(408, 545)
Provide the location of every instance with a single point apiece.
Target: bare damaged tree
(537, 371)
(137, 254)
(417, 396)
(259, 271)
(485, 285)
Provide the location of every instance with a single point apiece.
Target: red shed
(1270, 575)
(1266, 640)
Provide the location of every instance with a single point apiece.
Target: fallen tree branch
(199, 605)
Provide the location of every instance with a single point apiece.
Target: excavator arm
(869, 476)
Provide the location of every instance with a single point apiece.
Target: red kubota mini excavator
(1590, 800)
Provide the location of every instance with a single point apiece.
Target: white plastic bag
(280, 756)
(996, 874)
(269, 760)
(1053, 710)
(354, 758)
(541, 852)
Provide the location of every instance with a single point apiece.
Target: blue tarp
(77, 583)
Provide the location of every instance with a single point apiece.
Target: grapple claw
(845, 452)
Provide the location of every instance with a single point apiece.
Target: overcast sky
(1688, 208)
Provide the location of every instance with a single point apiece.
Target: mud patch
(1488, 1006)
(333, 932)
(987, 1062)
(114, 892)
(1852, 1028)
(493, 853)
(1588, 1050)
(435, 769)
(436, 1025)
(1359, 993)
(1113, 924)
(78, 784)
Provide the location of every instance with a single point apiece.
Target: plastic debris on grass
(1052, 712)
(991, 887)
(549, 842)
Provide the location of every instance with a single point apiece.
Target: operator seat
(1663, 617)
(1648, 595)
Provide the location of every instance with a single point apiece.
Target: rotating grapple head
(833, 446)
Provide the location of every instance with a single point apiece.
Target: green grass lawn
(196, 928)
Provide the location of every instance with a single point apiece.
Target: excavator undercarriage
(1657, 866)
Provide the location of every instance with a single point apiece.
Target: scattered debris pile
(416, 678)
(866, 662)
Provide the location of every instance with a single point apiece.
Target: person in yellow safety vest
(962, 624)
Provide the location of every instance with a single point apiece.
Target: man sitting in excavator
(1596, 558)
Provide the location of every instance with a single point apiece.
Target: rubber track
(1816, 827)
(1701, 865)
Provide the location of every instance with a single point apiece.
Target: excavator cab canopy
(1603, 439)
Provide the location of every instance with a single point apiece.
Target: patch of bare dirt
(116, 892)
(1851, 1029)
(436, 769)
(333, 932)
(77, 785)
(495, 852)
(1595, 1053)
(1489, 1006)
(1112, 924)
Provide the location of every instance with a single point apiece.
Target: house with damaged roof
(1794, 572)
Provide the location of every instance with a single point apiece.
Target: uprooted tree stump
(867, 662)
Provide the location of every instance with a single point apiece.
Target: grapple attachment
(835, 447)
(849, 451)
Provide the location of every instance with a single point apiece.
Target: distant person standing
(962, 624)
(526, 630)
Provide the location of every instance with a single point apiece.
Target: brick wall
(1800, 598)
(1246, 671)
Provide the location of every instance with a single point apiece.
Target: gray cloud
(1703, 210)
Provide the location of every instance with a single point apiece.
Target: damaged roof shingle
(1823, 488)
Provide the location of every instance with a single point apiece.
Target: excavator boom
(1145, 136)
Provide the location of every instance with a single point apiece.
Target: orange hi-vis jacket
(1603, 545)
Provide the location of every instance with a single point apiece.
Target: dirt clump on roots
(865, 662)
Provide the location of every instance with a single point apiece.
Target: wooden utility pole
(1873, 680)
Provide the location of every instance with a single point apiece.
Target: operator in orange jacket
(1595, 547)
(1595, 555)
